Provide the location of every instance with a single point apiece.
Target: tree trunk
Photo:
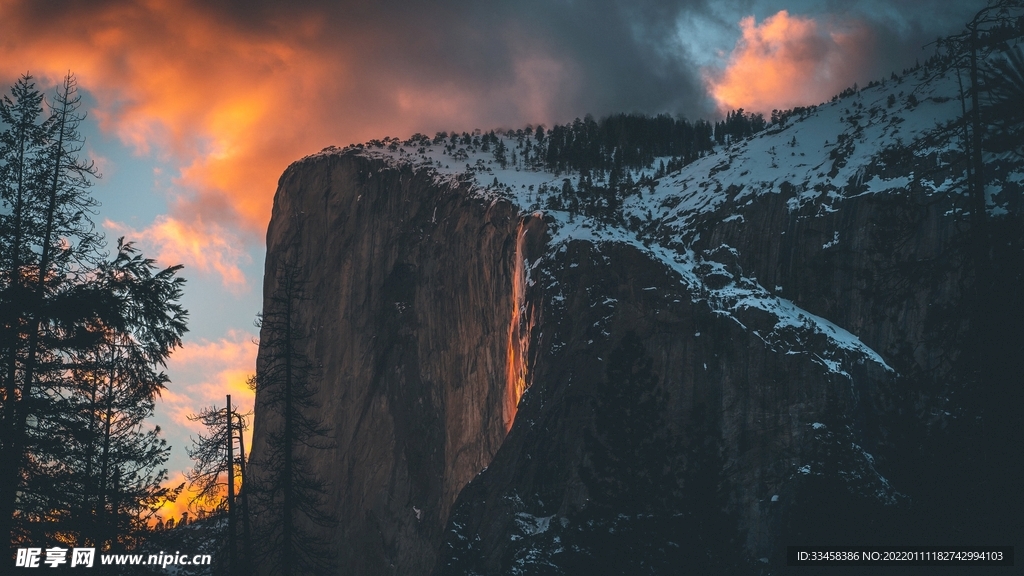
(246, 529)
(101, 499)
(232, 548)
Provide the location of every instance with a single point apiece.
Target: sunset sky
(196, 108)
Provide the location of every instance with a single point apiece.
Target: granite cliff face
(406, 317)
(758, 350)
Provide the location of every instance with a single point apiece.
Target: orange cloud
(206, 372)
(788, 61)
(207, 247)
(233, 98)
(170, 78)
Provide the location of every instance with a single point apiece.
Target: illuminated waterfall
(520, 326)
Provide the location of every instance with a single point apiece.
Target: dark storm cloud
(620, 55)
(902, 30)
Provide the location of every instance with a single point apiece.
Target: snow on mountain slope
(820, 156)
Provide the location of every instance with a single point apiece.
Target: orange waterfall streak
(518, 335)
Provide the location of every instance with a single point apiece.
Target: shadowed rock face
(406, 321)
(730, 423)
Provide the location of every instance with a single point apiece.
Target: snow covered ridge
(818, 157)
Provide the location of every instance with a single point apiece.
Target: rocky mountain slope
(759, 349)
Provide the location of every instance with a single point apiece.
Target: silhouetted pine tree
(290, 498)
(116, 383)
(81, 339)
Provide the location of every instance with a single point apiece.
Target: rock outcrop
(405, 318)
